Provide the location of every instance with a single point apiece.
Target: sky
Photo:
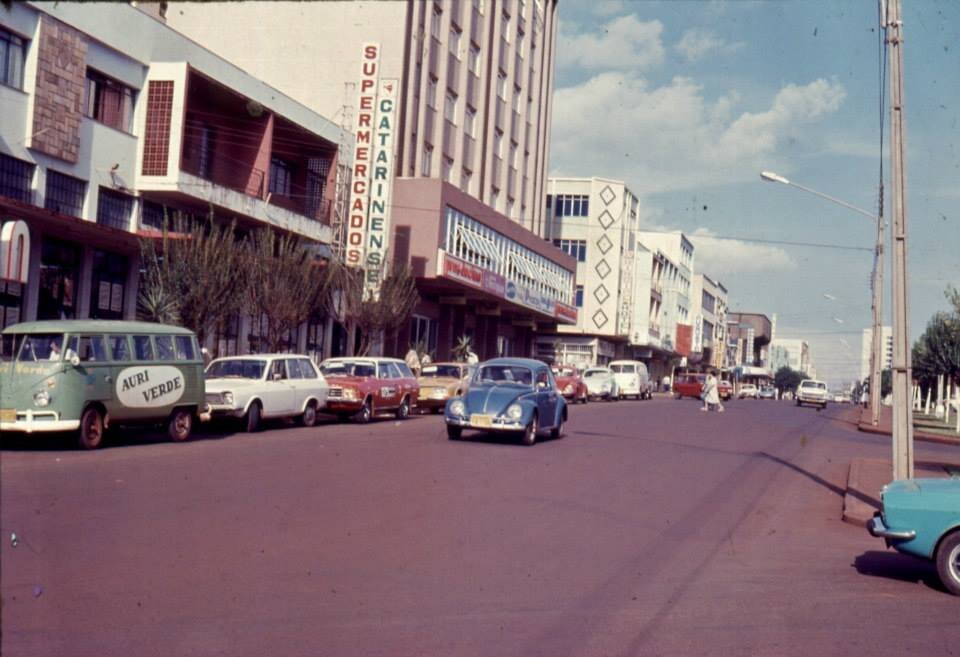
(687, 101)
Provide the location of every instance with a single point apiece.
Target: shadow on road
(901, 567)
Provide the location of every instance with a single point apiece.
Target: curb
(859, 505)
(917, 435)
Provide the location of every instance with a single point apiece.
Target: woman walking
(711, 394)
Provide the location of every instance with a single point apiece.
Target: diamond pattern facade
(604, 244)
(600, 318)
(607, 195)
(601, 294)
(606, 219)
(602, 269)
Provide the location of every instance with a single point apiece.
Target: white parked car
(601, 383)
(264, 386)
(632, 377)
(747, 390)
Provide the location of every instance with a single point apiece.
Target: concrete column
(84, 283)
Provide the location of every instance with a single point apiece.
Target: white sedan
(265, 386)
(601, 383)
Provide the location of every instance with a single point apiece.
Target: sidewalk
(886, 421)
(868, 476)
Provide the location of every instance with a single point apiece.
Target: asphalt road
(650, 529)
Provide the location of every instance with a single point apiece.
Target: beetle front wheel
(530, 433)
(948, 562)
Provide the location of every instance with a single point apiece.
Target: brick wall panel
(58, 99)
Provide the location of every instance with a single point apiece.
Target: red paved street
(651, 528)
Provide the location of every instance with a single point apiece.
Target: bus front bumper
(31, 421)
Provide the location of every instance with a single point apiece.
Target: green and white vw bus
(85, 375)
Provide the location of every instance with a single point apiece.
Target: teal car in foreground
(509, 395)
(921, 517)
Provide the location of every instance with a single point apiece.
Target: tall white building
(866, 346)
(792, 353)
(709, 311)
(465, 176)
(675, 285)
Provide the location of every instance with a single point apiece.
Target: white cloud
(670, 137)
(697, 43)
(722, 257)
(623, 43)
(609, 7)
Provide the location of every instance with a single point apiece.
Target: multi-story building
(748, 338)
(790, 352)
(866, 347)
(111, 121)
(709, 301)
(675, 282)
(472, 84)
(595, 221)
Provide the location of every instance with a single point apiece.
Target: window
(277, 371)
(435, 23)
(708, 301)
(455, 43)
(571, 205)
(498, 143)
(108, 285)
(11, 300)
(515, 100)
(423, 330)
(293, 367)
(12, 49)
(505, 27)
(114, 209)
(576, 248)
(450, 108)
(16, 178)
(281, 173)
(513, 155)
(432, 92)
(316, 330)
(447, 169)
(108, 101)
(307, 370)
(502, 86)
(165, 350)
(470, 121)
(579, 296)
(384, 371)
(473, 60)
(466, 177)
(184, 346)
(91, 348)
(425, 164)
(119, 347)
(64, 193)
(142, 347)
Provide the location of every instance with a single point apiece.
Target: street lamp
(876, 362)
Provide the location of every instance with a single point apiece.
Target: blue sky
(687, 101)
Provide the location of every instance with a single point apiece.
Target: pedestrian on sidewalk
(711, 394)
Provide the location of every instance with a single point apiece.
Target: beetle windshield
(596, 374)
(562, 371)
(236, 368)
(504, 375)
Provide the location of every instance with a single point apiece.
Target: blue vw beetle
(509, 395)
(922, 517)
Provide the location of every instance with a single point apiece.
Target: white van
(632, 377)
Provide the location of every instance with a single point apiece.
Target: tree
(787, 379)
(193, 275)
(284, 283)
(352, 302)
(937, 351)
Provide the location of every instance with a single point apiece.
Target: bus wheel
(180, 424)
(91, 428)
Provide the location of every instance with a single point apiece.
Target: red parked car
(570, 383)
(688, 385)
(363, 387)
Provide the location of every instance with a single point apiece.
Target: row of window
(576, 248)
(569, 205)
(99, 348)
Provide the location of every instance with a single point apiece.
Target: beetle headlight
(41, 398)
(457, 407)
(515, 411)
(228, 398)
(568, 390)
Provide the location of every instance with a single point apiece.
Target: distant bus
(87, 375)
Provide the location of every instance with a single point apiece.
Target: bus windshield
(34, 347)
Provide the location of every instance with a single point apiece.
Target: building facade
(467, 166)
(792, 353)
(866, 347)
(748, 340)
(709, 299)
(112, 122)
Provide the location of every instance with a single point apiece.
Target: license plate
(8, 415)
(481, 421)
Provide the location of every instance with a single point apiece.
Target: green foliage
(192, 275)
(463, 348)
(787, 379)
(886, 382)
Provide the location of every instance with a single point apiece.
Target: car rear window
(623, 369)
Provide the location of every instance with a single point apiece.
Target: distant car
(633, 379)
(441, 381)
(813, 392)
(570, 383)
(601, 383)
(747, 390)
(921, 517)
(362, 387)
(265, 386)
(725, 390)
(766, 392)
(509, 395)
(688, 385)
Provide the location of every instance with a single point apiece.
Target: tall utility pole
(902, 374)
(876, 353)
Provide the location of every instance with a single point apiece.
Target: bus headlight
(41, 398)
(515, 411)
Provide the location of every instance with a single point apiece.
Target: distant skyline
(687, 102)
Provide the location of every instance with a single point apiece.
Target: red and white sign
(565, 312)
(684, 339)
(363, 150)
(14, 251)
(464, 272)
